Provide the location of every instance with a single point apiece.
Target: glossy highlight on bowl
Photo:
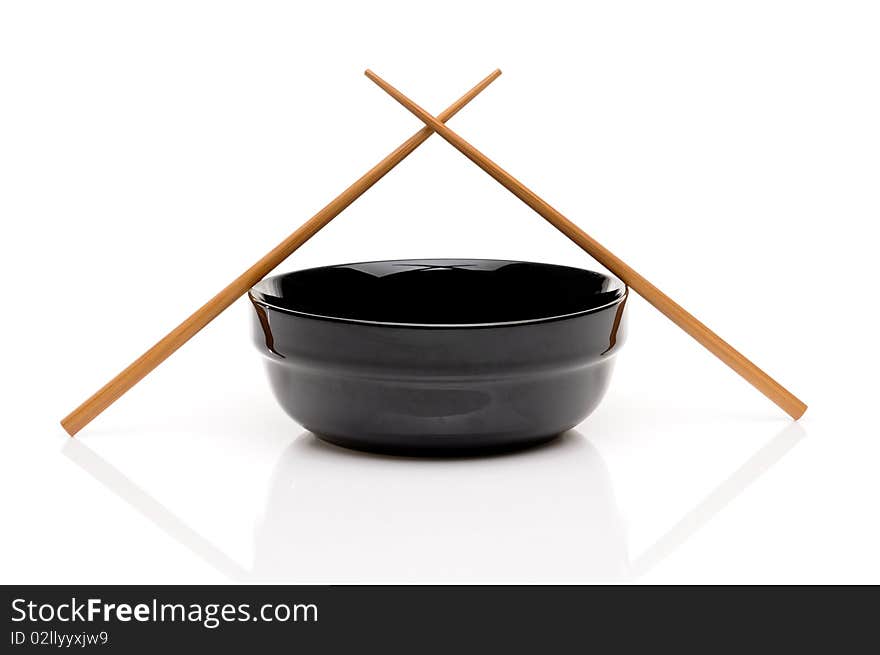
(439, 356)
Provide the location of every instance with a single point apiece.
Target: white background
(730, 152)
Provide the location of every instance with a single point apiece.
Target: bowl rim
(257, 296)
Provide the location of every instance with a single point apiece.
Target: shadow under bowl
(439, 356)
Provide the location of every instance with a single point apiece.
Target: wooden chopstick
(137, 370)
(672, 310)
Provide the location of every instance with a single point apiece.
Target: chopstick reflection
(756, 466)
(142, 502)
(380, 518)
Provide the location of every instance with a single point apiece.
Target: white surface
(150, 152)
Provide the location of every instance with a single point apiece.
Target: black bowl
(439, 356)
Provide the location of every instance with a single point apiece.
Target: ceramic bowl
(439, 356)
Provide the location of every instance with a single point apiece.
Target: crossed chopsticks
(137, 370)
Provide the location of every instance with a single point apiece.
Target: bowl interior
(432, 292)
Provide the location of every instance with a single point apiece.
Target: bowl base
(452, 447)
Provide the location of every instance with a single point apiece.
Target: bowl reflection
(380, 518)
